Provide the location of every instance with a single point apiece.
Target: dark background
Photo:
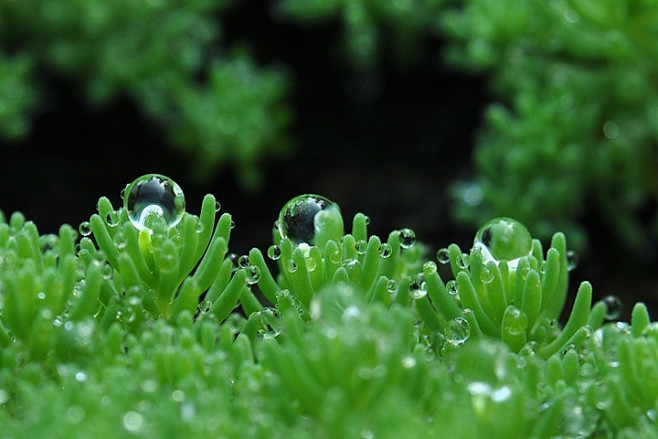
(385, 143)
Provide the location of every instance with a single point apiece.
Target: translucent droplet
(361, 246)
(274, 252)
(417, 288)
(430, 267)
(385, 250)
(452, 288)
(443, 256)
(291, 266)
(218, 206)
(572, 260)
(518, 321)
(458, 331)
(41, 295)
(367, 219)
(299, 219)
(613, 307)
(232, 224)
(243, 261)
(464, 261)
(407, 238)
(335, 257)
(391, 286)
(152, 197)
(233, 257)
(85, 228)
(486, 276)
(253, 274)
(503, 239)
(311, 264)
(112, 218)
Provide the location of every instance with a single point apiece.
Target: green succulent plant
(130, 329)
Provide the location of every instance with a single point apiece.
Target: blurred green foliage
(215, 105)
(576, 125)
(369, 26)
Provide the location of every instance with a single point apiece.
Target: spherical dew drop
(154, 197)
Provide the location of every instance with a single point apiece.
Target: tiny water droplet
(233, 257)
(85, 228)
(385, 250)
(335, 257)
(518, 321)
(112, 218)
(464, 261)
(367, 219)
(291, 266)
(361, 246)
(572, 260)
(274, 252)
(417, 287)
(458, 331)
(486, 276)
(430, 267)
(232, 224)
(41, 295)
(613, 307)
(452, 287)
(218, 206)
(407, 238)
(243, 261)
(199, 227)
(299, 218)
(391, 286)
(443, 256)
(253, 274)
(152, 197)
(311, 264)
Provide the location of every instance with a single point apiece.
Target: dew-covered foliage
(212, 102)
(143, 324)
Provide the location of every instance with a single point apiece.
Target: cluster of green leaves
(133, 334)
(153, 52)
(577, 116)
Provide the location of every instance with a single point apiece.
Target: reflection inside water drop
(154, 197)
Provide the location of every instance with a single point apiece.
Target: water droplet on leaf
(458, 331)
(452, 288)
(301, 217)
(572, 260)
(417, 288)
(85, 228)
(443, 256)
(243, 261)
(407, 238)
(385, 250)
(503, 239)
(274, 252)
(361, 246)
(154, 197)
(613, 307)
(253, 274)
(486, 276)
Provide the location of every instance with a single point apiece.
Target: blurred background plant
(213, 103)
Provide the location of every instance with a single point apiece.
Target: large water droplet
(154, 197)
(302, 216)
(458, 331)
(503, 239)
(518, 321)
(613, 307)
